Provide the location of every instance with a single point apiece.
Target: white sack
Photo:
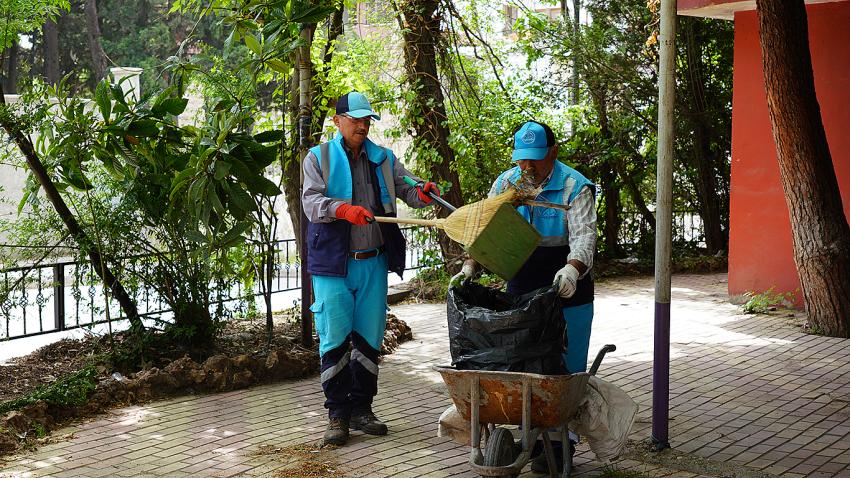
(605, 417)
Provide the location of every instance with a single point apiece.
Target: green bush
(766, 301)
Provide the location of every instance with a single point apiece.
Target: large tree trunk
(51, 52)
(421, 30)
(11, 76)
(821, 236)
(98, 262)
(98, 56)
(704, 160)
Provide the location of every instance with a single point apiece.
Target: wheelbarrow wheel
(500, 448)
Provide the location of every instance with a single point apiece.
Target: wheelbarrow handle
(421, 184)
(598, 360)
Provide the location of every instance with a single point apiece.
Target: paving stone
(751, 389)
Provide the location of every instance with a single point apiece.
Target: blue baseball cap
(532, 141)
(356, 105)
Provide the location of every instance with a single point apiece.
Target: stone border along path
(750, 396)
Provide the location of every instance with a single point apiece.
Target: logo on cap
(528, 137)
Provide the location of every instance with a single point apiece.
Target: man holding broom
(347, 182)
(565, 254)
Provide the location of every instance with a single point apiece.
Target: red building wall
(760, 251)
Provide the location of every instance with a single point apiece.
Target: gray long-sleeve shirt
(320, 208)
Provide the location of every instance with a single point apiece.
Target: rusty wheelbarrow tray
(535, 402)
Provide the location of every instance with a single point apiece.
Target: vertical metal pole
(59, 297)
(663, 225)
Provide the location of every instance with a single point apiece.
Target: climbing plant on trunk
(420, 22)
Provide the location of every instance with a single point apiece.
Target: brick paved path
(745, 390)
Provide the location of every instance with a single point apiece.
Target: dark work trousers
(350, 377)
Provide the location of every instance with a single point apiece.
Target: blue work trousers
(351, 315)
(579, 320)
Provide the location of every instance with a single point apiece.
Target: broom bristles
(465, 224)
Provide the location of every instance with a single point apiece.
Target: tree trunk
(704, 160)
(98, 262)
(819, 229)
(576, 94)
(290, 154)
(634, 192)
(98, 56)
(608, 180)
(421, 33)
(51, 52)
(11, 79)
(143, 8)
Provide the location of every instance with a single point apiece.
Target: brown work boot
(337, 431)
(368, 423)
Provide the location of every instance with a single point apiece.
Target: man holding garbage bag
(565, 254)
(348, 181)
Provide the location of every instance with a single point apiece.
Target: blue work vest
(551, 255)
(328, 243)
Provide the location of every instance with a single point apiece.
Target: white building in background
(13, 179)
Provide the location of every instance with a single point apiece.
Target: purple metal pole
(661, 377)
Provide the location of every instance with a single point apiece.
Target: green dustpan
(505, 243)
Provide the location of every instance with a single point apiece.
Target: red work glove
(423, 191)
(356, 215)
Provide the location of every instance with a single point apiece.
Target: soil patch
(643, 452)
(73, 379)
(305, 460)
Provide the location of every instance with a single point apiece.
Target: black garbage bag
(494, 330)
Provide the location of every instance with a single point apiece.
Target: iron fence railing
(63, 295)
(687, 229)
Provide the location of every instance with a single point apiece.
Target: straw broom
(463, 225)
(466, 223)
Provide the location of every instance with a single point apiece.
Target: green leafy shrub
(762, 303)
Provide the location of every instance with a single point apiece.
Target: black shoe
(539, 464)
(337, 432)
(368, 423)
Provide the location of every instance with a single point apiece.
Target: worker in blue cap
(565, 255)
(347, 182)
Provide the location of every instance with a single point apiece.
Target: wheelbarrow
(536, 402)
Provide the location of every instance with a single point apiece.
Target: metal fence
(687, 229)
(64, 295)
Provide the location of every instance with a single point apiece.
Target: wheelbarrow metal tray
(554, 398)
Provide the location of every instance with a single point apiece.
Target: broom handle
(551, 205)
(420, 184)
(418, 222)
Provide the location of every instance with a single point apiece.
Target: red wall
(760, 251)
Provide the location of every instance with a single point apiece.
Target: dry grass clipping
(304, 460)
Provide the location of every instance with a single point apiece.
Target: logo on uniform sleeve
(528, 137)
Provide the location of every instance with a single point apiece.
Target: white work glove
(465, 274)
(565, 281)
